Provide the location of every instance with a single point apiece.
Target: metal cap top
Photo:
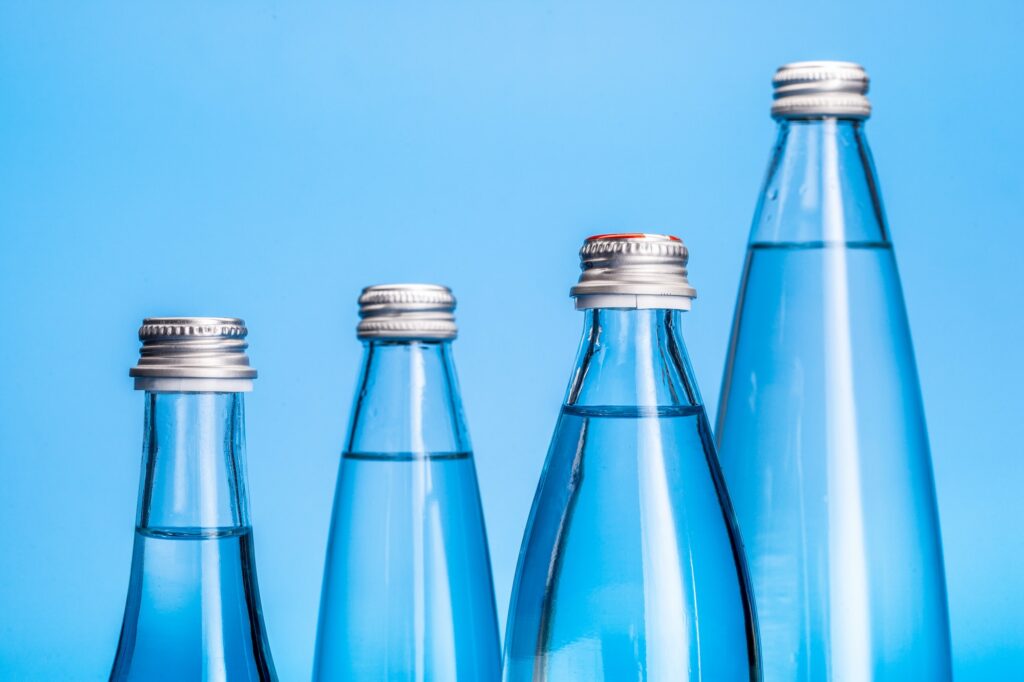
(406, 312)
(823, 88)
(193, 354)
(633, 270)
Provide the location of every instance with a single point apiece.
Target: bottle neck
(407, 400)
(821, 187)
(633, 358)
(194, 463)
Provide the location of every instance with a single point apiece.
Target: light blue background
(267, 159)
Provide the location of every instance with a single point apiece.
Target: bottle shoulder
(632, 358)
(408, 401)
(821, 187)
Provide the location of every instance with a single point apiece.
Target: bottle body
(821, 428)
(630, 567)
(193, 608)
(407, 586)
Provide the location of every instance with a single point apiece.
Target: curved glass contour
(821, 429)
(193, 610)
(630, 567)
(407, 589)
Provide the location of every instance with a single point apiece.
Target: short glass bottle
(193, 609)
(407, 591)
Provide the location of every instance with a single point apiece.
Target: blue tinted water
(189, 587)
(629, 572)
(824, 450)
(407, 589)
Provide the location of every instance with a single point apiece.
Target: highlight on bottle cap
(633, 270)
(407, 312)
(821, 89)
(193, 354)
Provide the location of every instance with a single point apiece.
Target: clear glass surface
(407, 589)
(821, 428)
(193, 609)
(630, 567)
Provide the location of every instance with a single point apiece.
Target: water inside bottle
(194, 621)
(824, 450)
(408, 538)
(635, 525)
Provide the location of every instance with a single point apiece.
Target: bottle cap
(633, 270)
(186, 354)
(820, 89)
(406, 312)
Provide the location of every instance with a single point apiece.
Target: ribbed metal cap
(193, 353)
(823, 88)
(633, 270)
(407, 312)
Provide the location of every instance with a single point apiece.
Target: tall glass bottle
(631, 568)
(407, 589)
(193, 610)
(821, 428)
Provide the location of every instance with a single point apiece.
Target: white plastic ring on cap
(193, 354)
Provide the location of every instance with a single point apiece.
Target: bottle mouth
(637, 270)
(407, 312)
(193, 354)
(820, 89)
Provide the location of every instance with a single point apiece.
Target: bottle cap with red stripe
(633, 270)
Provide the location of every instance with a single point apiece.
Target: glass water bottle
(193, 609)
(631, 568)
(821, 429)
(407, 591)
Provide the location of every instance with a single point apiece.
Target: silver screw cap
(193, 354)
(633, 270)
(406, 312)
(819, 89)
